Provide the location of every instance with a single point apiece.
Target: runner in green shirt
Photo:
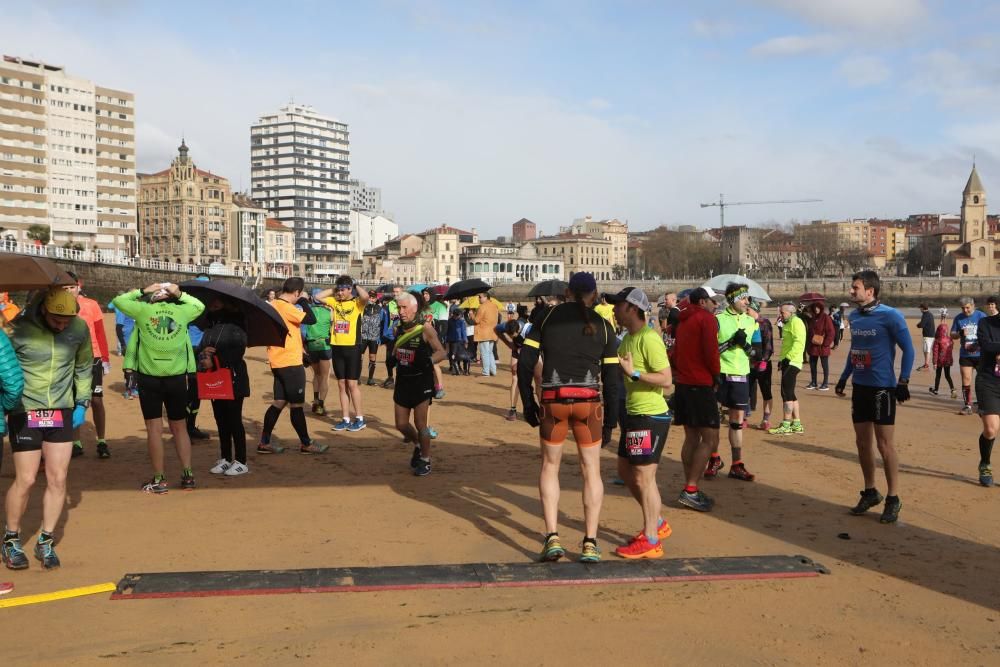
(736, 332)
(319, 352)
(793, 346)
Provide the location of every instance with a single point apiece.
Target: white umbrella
(719, 282)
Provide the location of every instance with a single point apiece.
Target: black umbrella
(464, 288)
(264, 325)
(549, 288)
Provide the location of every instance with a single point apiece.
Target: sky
(476, 114)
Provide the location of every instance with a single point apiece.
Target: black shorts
(290, 384)
(412, 390)
(789, 377)
(873, 404)
(370, 345)
(988, 394)
(968, 362)
(734, 392)
(25, 438)
(157, 392)
(695, 406)
(97, 378)
(347, 362)
(643, 438)
(316, 356)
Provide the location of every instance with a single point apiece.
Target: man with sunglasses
(344, 336)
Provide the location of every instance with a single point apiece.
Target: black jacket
(226, 333)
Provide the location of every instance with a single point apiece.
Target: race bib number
(45, 419)
(639, 443)
(971, 332)
(406, 357)
(341, 327)
(861, 359)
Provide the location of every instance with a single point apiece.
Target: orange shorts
(585, 419)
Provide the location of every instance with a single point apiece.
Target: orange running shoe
(640, 548)
(663, 531)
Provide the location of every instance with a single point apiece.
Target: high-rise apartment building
(185, 213)
(300, 166)
(67, 159)
(365, 197)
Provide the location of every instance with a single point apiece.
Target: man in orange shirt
(289, 373)
(91, 313)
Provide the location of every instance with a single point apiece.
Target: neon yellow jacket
(57, 367)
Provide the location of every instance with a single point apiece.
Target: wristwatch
(635, 376)
(84, 403)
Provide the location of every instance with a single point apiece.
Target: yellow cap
(60, 302)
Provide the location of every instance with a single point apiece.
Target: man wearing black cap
(643, 359)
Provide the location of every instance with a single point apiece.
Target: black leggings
(947, 376)
(229, 421)
(763, 379)
(788, 378)
(826, 368)
(120, 333)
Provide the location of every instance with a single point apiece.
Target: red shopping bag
(215, 384)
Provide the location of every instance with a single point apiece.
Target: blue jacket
(388, 324)
(11, 380)
(457, 330)
(128, 324)
(874, 338)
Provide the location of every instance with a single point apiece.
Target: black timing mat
(471, 575)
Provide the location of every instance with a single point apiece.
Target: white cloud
(713, 28)
(863, 71)
(956, 82)
(795, 45)
(598, 104)
(864, 15)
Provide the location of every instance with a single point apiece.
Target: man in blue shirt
(965, 329)
(876, 331)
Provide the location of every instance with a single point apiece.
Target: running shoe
(127, 395)
(439, 394)
(358, 424)
(220, 467)
(954, 394)
(663, 531)
(269, 448)
(237, 469)
(811, 385)
(590, 552)
(13, 554)
(197, 434)
(372, 382)
(715, 464)
(922, 368)
(77, 449)
(798, 428)
(342, 425)
(739, 471)
(102, 450)
(640, 548)
(890, 513)
(985, 474)
(315, 404)
(552, 549)
(423, 467)
(511, 415)
(824, 387)
(388, 384)
(933, 391)
(187, 482)
(432, 432)
(783, 428)
(415, 458)
(765, 425)
(45, 552)
(869, 499)
(966, 410)
(155, 486)
(696, 501)
(320, 410)
(313, 448)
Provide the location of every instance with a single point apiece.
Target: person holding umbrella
(223, 344)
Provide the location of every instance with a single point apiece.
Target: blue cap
(583, 282)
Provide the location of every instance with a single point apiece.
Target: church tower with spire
(974, 226)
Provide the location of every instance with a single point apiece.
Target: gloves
(902, 392)
(79, 415)
(107, 368)
(739, 339)
(531, 414)
(782, 365)
(842, 386)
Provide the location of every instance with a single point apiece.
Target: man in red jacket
(91, 313)
(695, 363)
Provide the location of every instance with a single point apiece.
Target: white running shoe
(237, 468)
(220, 467)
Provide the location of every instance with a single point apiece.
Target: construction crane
(722, 204)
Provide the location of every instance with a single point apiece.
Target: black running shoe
(388, 384)
(77, 450)
(696, 501)
(415, 459)
(423, 468)
(890, 513)
(198, 434)
(13, 554)
(102, 450)
(869, 499)
(187, 482)
(45, 552)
